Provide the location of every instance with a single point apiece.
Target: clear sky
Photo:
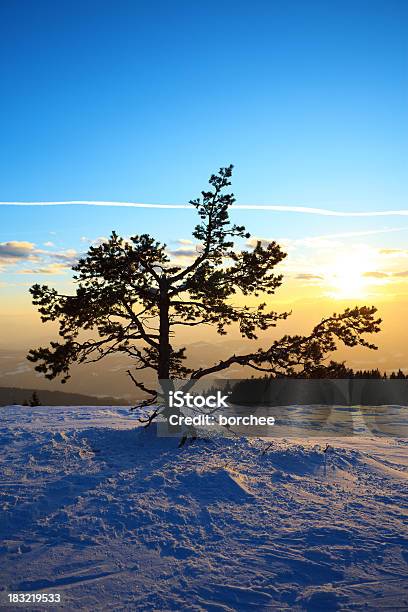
(141, 100)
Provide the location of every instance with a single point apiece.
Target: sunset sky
(141, 103)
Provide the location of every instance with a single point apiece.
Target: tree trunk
(163, 371)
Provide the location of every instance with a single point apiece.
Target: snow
(111, 516)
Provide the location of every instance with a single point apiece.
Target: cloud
(49, 244)
(394, 252)
(94, 241)
(184, 255)
(304, 276)
(389, 275)
(52, 268)
(69, 257)
(14, 251)
(375, 274)
(183, 252)
(402, 274)
(253, 240)
(323, 241)
(330, 258)
(326, 212)
(20, 368)
(184, 241)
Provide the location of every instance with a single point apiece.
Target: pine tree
(34, 400)
(134, 299)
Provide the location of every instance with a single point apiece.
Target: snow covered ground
(115, 518)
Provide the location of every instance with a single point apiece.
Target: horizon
(317, 131)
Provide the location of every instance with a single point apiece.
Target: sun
(346, 274)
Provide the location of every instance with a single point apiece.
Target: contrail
(97, 203)
(323, 211)
(266, 207)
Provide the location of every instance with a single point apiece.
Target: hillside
(15, 395)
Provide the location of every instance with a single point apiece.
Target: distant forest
(318, 389)
(345, 372)
(339, 370)
(28, 397)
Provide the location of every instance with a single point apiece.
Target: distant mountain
(14, 395)
(107, 377)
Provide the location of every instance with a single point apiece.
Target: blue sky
(141, 101)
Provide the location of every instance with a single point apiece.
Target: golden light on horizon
(346, 275)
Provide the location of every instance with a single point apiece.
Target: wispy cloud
(327, 212)
(20, 368)
(402, 274)
(375, 274)
(311, 277)
(327, 240)
(185, 241)
(68, 257)
(186, 251)
(399, 274)
(52, 268)
(95, 242)
(394, 252)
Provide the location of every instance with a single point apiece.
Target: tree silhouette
(34, 400)
(133, 297)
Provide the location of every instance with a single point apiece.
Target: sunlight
(345, 275)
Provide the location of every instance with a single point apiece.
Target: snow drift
(113, 517)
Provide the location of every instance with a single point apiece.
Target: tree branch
(146, 337)
(141, 386)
